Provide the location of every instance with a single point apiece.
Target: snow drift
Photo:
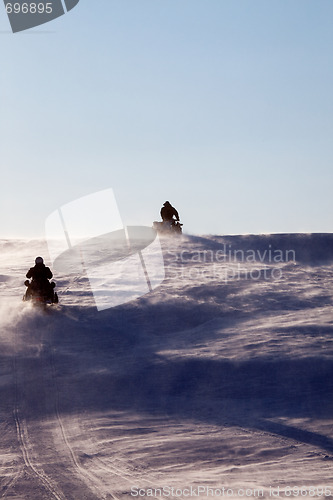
(221, 377)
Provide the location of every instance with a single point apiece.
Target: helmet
(39, 260)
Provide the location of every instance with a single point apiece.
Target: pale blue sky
(223, 107)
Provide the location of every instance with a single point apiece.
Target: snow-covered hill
(218, 383)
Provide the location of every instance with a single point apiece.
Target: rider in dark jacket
(40, 275)
(168, 212)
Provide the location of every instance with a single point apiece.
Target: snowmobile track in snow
(23, 439)
(9, 485)
(85, 475)
(26, 445)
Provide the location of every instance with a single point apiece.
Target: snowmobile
(40, 295)
(168, 227)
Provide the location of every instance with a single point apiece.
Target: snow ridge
(221, 376)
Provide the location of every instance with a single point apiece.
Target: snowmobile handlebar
(28, 282)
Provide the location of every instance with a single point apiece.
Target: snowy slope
(219, 378)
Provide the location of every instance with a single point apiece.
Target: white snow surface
(218, 383)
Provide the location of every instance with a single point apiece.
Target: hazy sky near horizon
(223, 107)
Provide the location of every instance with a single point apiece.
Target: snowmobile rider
(40, 275)
(168, 212)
